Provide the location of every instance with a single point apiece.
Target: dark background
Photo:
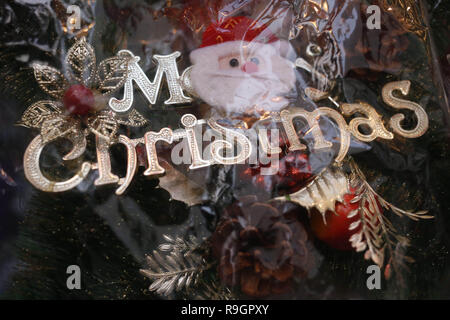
(42, 233)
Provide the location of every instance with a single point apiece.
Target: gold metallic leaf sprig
(175, 266)
(54, 121)
(377, 235)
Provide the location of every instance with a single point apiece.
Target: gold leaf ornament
(104, 125)
(323, 192)
(377, 234)
(56, 126)
(175, 265)
(112, 74)
(80, 60)
(132, 119)
(38, 112)
(50, 80)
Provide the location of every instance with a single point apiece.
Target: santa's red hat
(237, 29)
(224, 37)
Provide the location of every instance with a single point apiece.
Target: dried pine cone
(262, 247)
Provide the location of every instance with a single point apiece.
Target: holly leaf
(323, 192)
(112, 74)
(179, 186)
(80, 60)
(50, 80)
(38, 112)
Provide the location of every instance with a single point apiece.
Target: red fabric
(237, 28)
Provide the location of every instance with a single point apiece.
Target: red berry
(336, 231)
(79, 100)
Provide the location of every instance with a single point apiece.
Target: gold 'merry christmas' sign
(97, 113)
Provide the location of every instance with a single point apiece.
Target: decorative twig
(377, 233)
(175, 265)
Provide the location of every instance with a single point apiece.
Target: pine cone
(262, 247)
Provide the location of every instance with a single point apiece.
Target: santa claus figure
(242, 67)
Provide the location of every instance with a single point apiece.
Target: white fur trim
(282, 47)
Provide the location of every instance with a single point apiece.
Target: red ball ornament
(79, 100)
(336, 231)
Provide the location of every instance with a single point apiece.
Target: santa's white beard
(240, 92)
(235, 91)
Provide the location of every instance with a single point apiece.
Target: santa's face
(242, 77)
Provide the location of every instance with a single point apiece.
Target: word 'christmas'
(233, 139)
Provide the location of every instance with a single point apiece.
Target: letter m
(166, 65)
